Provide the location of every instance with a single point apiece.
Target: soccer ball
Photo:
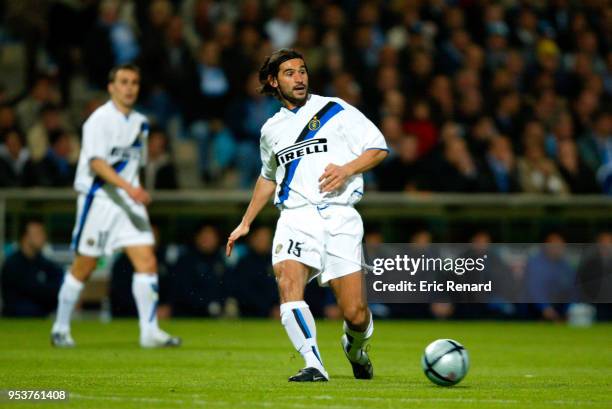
(445, 362)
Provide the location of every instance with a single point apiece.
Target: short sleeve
(361, 133)
(95, 141)
(268, 161)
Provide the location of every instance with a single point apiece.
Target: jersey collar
(124, 116)
(297, 109)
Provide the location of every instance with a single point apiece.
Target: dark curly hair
(270, 69)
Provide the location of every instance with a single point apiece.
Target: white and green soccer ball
(445, 362)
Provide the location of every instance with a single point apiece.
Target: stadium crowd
(472, 96)
(197, 280)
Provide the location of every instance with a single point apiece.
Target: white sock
(358, 340)
(300, 326)
(66, 299)
(145, 291)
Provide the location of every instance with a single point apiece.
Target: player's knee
(356, 314)
(146, 264)
(288, 286)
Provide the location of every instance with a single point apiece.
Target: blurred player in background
(313, 153)
(111, 211)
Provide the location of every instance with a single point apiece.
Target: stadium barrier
(515, 218)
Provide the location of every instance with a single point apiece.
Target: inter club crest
(314, 124)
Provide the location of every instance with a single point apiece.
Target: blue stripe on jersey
(283, 193)
(97, 184)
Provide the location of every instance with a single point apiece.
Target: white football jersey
(297, 145)
(118, 139)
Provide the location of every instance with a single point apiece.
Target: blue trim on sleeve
(378, 149)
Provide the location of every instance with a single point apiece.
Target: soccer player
(313, 153)
(111, 211)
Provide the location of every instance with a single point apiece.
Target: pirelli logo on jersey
(301, 149)
(126, 153)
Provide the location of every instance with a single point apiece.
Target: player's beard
(292, 99)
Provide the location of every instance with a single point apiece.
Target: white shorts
(327, 240)
(104, 225)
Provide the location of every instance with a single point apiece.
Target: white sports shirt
(118, 139)
(296, 146)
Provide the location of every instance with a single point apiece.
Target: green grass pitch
(245, 364)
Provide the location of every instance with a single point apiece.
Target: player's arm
(263, 192)
(106, 172)
(335, 175)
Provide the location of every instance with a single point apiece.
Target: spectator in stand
(110, 42)
(482, 133)
(252, 281)
(596, 147)
(199, 276)
(159, 172)
(210, 83)
(216, 149)
(169, 63)
(29, 109)
(585, 108)
(562, 130)
(518, 65)
(507, 114)
(499, 172)
(282, 28)
(578, 177)
(8, 117)
(497, 44)
(421, 126)
(595, 271)
(537, 173)
(549, 279)
(452, 52)
(16, 167)
(403, 172)
(441, 93)
(55, 169)
(38, 135)
(457, 166)
(30, 281)
(254, 109)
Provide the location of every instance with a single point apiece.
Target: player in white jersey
(313, 153)
(111, 211)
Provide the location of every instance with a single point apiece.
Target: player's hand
(241, 230)
(139, 195)
(333, 178)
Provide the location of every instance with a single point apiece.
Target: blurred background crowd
(198, 280)
(472, 95)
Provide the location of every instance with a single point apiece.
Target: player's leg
(292, 277)
(69, 293)
(358, 322)
(145, 288)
